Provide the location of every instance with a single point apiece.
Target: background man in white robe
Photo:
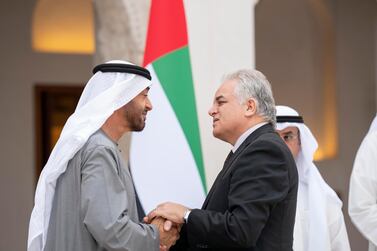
(85, 198)
(362, 203)
(319, 223)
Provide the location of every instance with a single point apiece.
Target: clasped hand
(168, 218)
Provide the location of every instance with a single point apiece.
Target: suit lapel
(250, 139)
(228, 158)
(233, 156)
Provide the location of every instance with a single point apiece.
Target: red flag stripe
(166, 30)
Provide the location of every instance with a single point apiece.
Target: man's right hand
(168, 236)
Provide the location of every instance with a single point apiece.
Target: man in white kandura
(362, 203)
(319, 223)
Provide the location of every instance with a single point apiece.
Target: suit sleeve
(259, 180)
(104, 205)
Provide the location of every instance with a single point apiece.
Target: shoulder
(99, 138)
(99, 146)
(267, 151)
(367, 154)
(272, 144)
(369, 143)
(98, 141)
(267, 156)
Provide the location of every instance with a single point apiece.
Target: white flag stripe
(161, 160)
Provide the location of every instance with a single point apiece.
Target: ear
(251, 107)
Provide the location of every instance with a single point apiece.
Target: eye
(287, 137)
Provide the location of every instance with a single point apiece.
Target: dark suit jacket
(252, 204)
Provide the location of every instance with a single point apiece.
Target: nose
(212, 111)
(148, 105)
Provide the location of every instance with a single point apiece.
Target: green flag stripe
(174, 73)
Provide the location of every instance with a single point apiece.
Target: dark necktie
(228, 158)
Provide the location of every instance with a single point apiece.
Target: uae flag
(166, 157)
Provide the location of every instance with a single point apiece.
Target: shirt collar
(246, 134)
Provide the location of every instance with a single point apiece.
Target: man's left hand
(170, 211)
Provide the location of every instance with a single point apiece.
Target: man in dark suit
(252, 203)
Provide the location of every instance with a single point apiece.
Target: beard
(135, 116)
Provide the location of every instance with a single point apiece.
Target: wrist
(186, 215)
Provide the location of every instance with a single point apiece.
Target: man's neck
(246, 134)
(114, 133)
(246, 126)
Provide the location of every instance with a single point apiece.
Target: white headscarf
(318, 190)
(103, 94)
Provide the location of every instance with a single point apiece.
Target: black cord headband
(127, 68)
(292, 119)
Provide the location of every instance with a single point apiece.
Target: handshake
(168, 218)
